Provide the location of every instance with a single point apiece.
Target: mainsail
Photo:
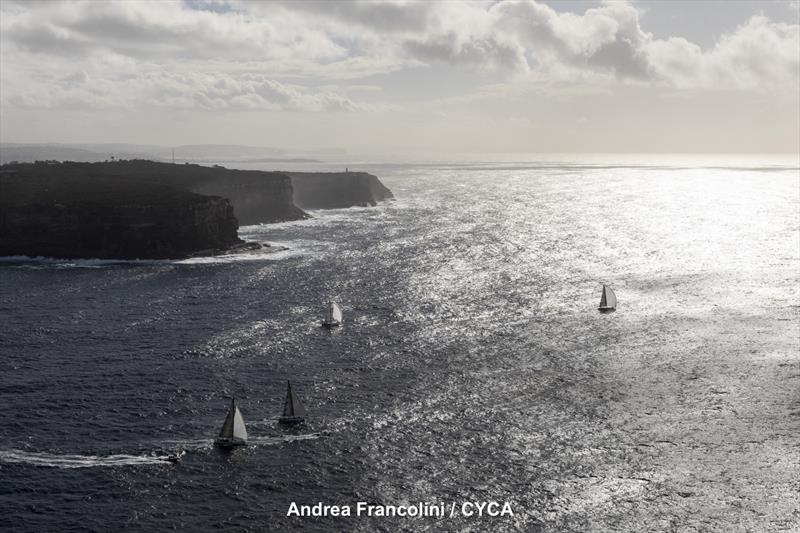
(333, 315)
(608, 300)
(292, 406)
(336, 312)
(233, 427)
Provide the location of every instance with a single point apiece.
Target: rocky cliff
(256, 196)
(330, 190)
(45, 213)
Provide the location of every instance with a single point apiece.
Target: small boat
(608, 301)
(233, 432)
(333, 316)
(293, 410)
(175, 457)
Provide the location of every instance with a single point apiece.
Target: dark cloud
(161, 31)
(623, 59)
(49, 39)
(475, 51)
(384, 16)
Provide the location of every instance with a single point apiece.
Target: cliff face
(256, 196)
(330, 190)
(80, 217)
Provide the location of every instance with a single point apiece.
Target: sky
(506, 76)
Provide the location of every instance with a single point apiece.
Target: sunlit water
(473, 364)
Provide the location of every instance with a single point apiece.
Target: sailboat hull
(333, 324)
(606, 309)
(291, 420)
(227, 443)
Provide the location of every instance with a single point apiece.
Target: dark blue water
(472, 366)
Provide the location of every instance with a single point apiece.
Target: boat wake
(268, 441)
(204, 444)
(80, 461)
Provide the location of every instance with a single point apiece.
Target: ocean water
(473, 365)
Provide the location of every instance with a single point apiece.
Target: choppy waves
(473, 363)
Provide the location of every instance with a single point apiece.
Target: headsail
(233, 427)
(333, 315)
(608, 300)
(239, 431)
(336, 312)
(292, 406)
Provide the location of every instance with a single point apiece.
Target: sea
(472, 367)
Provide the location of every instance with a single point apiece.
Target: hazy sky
(505, 76)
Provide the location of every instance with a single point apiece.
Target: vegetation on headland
(129, 209)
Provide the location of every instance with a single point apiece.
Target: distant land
(280, 160)
(334, 190)
(29, 153)
(141, 209)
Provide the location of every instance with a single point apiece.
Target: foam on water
(267, 254)
(273, 441)
(52, 460)
(56, 460)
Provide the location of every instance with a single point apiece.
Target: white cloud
(240, 55)
(163, 89)
(165, 30)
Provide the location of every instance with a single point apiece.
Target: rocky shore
(148, 210)
(83, 217)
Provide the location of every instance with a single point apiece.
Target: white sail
(608, 300)
(239, 431)
(336, 312)
(233, 427)
(333, 315)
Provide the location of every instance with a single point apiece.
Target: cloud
(759, 54)
(163, 89)
(517, 37)
(387, 16)
(167, 30)
(480, 51)
(242, 55)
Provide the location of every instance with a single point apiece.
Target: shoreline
(266, 248)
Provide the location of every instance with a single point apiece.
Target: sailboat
(333, 315)
(608, 301)
(293, 410)
(233, 432)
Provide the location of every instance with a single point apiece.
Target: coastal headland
(139, 209)
(333, 190)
